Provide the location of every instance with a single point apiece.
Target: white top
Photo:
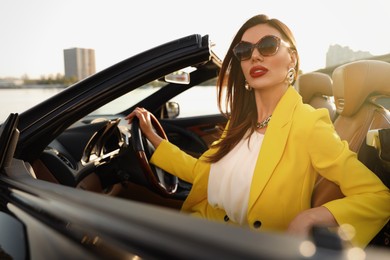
(231, 177)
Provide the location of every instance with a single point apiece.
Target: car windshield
(123, 102)
(196, 101)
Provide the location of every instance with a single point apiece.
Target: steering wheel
(164, 183)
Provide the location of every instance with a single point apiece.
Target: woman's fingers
(144, 118)
(136, 112)
(145, 124)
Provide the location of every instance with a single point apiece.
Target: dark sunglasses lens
(243, 50)
(268, 46)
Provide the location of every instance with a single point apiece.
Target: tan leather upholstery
(356, 86)
(353, 83)
(316, 90)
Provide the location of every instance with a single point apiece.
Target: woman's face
(270, 71)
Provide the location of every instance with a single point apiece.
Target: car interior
(361, 93)
(357, 87)
(106, 161)
(98, 153)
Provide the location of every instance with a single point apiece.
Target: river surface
(200, 100)
(19, 99)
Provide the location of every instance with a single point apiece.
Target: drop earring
(290, 75)
(247, 87)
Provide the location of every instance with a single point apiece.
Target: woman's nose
(256, 55)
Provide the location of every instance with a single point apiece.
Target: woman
(262, 171)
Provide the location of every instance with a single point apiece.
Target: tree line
(50, 80)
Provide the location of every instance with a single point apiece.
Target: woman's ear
(293, 56)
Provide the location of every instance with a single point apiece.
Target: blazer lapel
(273, 144)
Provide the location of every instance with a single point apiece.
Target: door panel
(194, 134)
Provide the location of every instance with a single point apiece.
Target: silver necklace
(263, 123)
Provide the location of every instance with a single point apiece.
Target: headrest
(314, 83)
(354, 82)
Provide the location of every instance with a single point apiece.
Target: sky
(34, 33)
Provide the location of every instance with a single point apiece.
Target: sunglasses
(267, 46)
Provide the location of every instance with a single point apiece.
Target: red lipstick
(258, 71)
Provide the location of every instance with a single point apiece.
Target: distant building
(79, 63)
(337, 55)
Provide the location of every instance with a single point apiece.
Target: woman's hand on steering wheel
(161, 181)
(146, 125)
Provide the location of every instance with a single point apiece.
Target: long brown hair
(240, 105)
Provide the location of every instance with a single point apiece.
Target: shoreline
(34, 86)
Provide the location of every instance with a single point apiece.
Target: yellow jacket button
(257, 224)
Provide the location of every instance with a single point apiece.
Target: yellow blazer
(300, 142)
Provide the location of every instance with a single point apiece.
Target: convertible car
(76, 183)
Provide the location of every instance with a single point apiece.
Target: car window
(125, 101)
(198, 100)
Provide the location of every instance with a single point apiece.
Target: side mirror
(172, 109)
(9, 136)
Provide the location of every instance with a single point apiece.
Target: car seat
(357, 87)
(316, 90)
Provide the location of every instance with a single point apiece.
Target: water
(19, 99)
(195, 101)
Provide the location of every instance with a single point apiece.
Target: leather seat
(357, 87)
(316, 90)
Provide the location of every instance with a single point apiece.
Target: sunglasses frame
(258, 46)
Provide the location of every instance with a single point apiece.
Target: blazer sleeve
(366, 205)
(171, 159)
